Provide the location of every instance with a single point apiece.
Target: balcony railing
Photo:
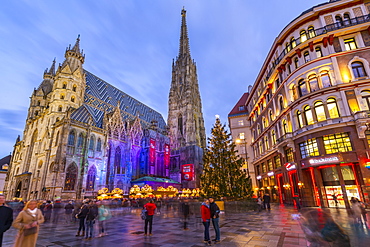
(362, 114)
(283, 138)
(317, 32)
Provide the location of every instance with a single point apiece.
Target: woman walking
(206, 218)
(28, 222)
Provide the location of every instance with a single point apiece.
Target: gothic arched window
(92, 143)
(91, 177)
(71, 177)
(80, 141)
(117, 160)
(71, 142)
(98, 145)
(180, 124)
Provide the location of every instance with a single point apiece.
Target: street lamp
(239, 142)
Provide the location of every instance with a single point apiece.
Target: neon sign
(324, 160)
(259, 177)
(270, 174)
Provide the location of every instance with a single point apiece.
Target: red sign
(187, 172)
(152, 152)
(166, 155)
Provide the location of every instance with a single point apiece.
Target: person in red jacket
(206, 218)
(150, 207)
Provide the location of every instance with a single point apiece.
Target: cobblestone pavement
(265, 228)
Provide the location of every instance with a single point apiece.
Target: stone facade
(83, 134)
(185, 117)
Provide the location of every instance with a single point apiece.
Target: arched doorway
(18, 190)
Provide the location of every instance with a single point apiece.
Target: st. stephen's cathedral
(83, 134)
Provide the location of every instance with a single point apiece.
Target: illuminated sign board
(324, 160)
(290, 166)
(259, 177)
(270, 174)
(188, 172)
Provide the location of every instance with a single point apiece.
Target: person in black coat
(81, 216)
(6, 218)
(266, 201)
(90, 219)
(215, 211)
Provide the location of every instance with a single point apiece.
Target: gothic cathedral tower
(185, 117)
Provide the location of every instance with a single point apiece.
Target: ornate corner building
(82, 134)
(185, 117)
(309, 108)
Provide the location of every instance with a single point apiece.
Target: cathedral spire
(75, 51)
(184, 39)
(51, 72)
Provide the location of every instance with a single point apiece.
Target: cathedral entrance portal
(18, 190)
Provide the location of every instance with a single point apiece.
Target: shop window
(267, 143)
(270, 165)
(277, 161)
(293, 43)
(303, 35)
(332, 108)
(350, 44)
(300, 119)
(329, 174)
(358, 69)
(309, 148)
(325, 79)
(311, 32)
(273, 137)
(289, 155)
(320, 111)
(336, 143)
(296, 63)
(306, 56)
(285, 127)
(264, 168)
(347, 173)
(308, 115)
(314, 85)
(318, 52)
(287, 47)
(346, 19)
(302, 87)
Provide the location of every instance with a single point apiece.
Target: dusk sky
(131, 44)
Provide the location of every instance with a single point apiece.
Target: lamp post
(243, 141)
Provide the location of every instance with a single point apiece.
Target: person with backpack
(150, 208)
(90, 219)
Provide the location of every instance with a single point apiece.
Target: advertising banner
(152, 152)
(166, 155)
(187, 172)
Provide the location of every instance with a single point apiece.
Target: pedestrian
(90, 219)
(363, 211)
(259, 203)
(68, 210)
(297, 202)
(6, 217)
(47, 210)
(81, 216)
(206, 219)
(28, 222)
(104, 214)
(185, 208)
(356, 209)
(335, 199)
(266, 201)
(150, 207)
(57, 208)
(215, 211)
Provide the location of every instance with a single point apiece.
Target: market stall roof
(155, 179)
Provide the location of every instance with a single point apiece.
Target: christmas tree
(222, 174)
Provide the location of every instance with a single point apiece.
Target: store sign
(324, 160)
(152, 152)
(187, 172)
(270, 174)
(166, 155)
(290, 166)
(259, 177)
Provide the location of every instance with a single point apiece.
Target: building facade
(241, 134)
(82, 134)
(309, 108)
(4, 166)
(185, 116)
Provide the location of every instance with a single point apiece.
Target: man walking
(266, 201)
(6, 217)
(215, 211)
(150, 207)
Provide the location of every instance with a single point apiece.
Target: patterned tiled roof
(101, 97)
